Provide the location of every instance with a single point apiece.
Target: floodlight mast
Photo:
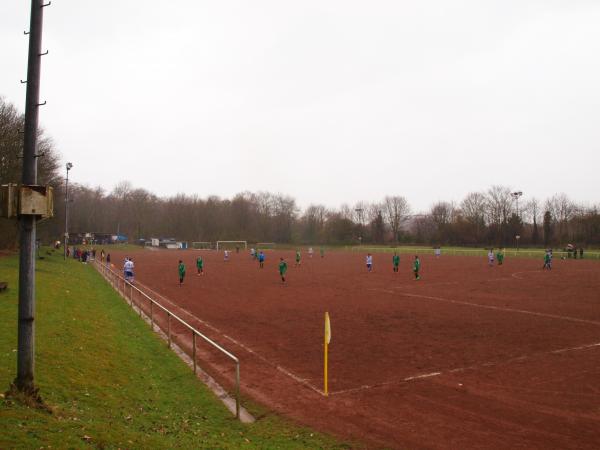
(516, 195)
(69, 166)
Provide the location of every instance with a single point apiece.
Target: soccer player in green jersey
(417, 267)
(200, 265)
(282, 269)
(181, 270)
(500, 257)
(547, 260)
(396, 261)
(297, 258)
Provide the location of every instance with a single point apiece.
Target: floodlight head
(69, 166)
(516, 194)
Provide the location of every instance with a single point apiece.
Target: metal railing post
(194, 350)
(169, 328)
(237, 389)
(139, 304)
(152, 314)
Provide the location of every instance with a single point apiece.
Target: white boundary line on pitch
(516, 274)
(492, 307)
(411, 284)
(281, 369)
(499, 308)
(462, 369)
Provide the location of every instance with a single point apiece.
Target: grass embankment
(110, 381)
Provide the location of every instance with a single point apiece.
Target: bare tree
(285, 212)
(397, 211)
(531, 212)
(562, 210)
(498, 204)
(498, 210)
(314, 222)
(423, 228)
(473, 207)
(442, 213)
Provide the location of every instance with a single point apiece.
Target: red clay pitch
(467, 357)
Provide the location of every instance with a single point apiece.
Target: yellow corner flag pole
(327, 340)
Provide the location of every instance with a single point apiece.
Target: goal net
(231, 245)
(202, 245)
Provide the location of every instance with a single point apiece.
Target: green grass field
(525, 252)
(467, 251)
(110, 381)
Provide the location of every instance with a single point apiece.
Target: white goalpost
(231, 244)
(202, 245)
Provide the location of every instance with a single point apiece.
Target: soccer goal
(230, 245)
(202, 245)
(265, 245)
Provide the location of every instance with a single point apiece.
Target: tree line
(483, 218)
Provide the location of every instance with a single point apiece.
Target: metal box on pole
(31, 200)
(35, 200)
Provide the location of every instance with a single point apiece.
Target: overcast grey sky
(327, 101)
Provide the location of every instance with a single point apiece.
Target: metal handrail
(104, 268)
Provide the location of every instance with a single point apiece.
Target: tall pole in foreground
(26, 335)
(69, 167)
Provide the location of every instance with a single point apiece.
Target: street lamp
(69, 166)
(516, 195)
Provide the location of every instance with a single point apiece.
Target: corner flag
(327, 329)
